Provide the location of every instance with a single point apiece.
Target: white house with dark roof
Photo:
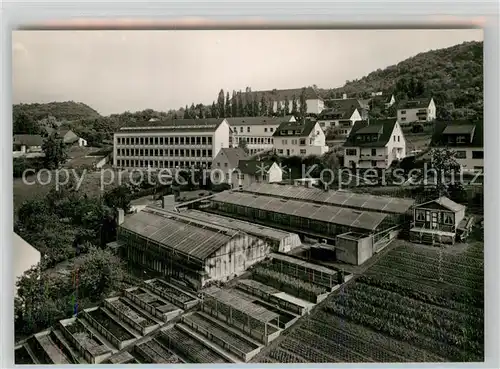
(25, 143)
(69, 137)
(385, 101)
(257, 132)
(465, 137)
(179, 143)
(278, 98)
(375, 144)
(255, 171)
(416, 110)
(300, 139)
(226, 162)
(343, 120)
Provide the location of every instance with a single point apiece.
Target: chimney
(168, 202)
(344, 96)
(120, 218)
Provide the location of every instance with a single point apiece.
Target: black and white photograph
(248, 196)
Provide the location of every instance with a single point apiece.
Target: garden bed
(131, 315)
(109, 327)
(153, 352)
(171, 293)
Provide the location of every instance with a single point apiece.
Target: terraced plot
(220, 332)
(109, 324)
(189, 348)
(152, 352)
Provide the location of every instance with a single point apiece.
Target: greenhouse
(324, 221)
(345, 199)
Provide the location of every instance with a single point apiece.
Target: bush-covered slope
(62, 111)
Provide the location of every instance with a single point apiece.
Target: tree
(192, 111)
(255, 106)
(25, 124)
(241, 107)
(234, 105)
(444, 162)
(294, 106)
(303, 103)
(221, 104)
(242, 144)
(263, 106)
(118, 198)
(228, 106)
(287, 106)
(186, 113)
(213, 111)
(55, 151)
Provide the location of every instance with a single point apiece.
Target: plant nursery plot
(189, 348)
(170, 291)
(278, 355)
(107, 322)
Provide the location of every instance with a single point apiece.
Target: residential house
(417, 110)
(436, 221)
(69, 137)
(465, 137)
(25, 256)
(27, 143)
(255, 171)
(300, 139)
(179, 143)
(225, 163)
(348, 104)
(381, 100)
(342, 120)
(257, 132)
(278, 98)
(374, 144)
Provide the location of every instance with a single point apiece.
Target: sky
(116, 71)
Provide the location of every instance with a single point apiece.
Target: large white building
(418, 110)
(257, 132)
(300, 139)
(278, 99)
(375, 144)
(180, 143)
(465, 137)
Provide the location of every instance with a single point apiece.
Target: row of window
(127, 163)
(172, 140)
(255, 140)
(165, 152)
(270, 129)
(291, 152)
(301, 141)
(462, 154)
(444, 218)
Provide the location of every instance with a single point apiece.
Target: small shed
(436, 221)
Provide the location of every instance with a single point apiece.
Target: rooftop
(177, 125)
(304, 264)
(233, 155)
(324, 213)
(255, 311)
(382, 128)
(255, 167)
(447, 203)
(187, 237)
(28, 140)
(247, 227)
(444, 130)
(419, 103)
(340, 198)
(255, 121)
(295, 129)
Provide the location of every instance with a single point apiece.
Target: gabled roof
(337, 113)
(347, 104)
(255, 167)
(280, 95)
(446, 203)
(254, 121)
(382, 128)
(418, 103)
(444, 130)
(177, 125)
(28, 140)
(381, 98)
(295, 129)
(233, 155)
